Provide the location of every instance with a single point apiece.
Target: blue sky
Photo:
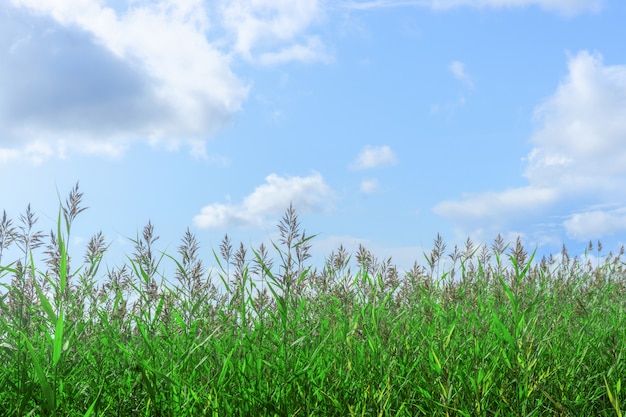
(384, 122)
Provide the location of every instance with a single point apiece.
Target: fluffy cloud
(101, 79)
(307, 194)
(374, 156)
(578, 160)
(583, 128)
(90, 78)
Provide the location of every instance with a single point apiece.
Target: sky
(384, 122)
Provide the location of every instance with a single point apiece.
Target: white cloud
(148, 72)
(382, 4)
(458, 70)
(259, 25)
(595, 224)
(583, 129)
(498, 205)
(307, 194)
(562, 6)
(95, 79)
(370, 186)
(374, 156)
(567, 7)
(314, 50)
(218, 215)
(578, 160)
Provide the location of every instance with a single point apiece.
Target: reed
(481, 330)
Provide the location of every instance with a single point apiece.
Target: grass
(477, 331)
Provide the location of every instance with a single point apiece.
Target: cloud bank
(578, 161)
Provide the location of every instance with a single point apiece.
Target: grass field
(483, 330)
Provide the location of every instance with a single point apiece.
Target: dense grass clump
(478, 331)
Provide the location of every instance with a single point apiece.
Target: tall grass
(478, 331)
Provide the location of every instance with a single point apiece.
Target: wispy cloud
(274, 31)
(311, 51)
(578, 161)
(370, 186)
(567, 7)
(382, 4)
(457, 68)
(308, 194)
(594, 224)
(373, 157)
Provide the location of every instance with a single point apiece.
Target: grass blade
(58, 340)
(41, 376)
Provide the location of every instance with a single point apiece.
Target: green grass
(479, 331)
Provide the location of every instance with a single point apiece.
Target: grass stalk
(489, 332)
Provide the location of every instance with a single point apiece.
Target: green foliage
(491, 332)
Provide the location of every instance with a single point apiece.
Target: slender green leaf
(58, 339)
(46, 388)
(503, 332)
